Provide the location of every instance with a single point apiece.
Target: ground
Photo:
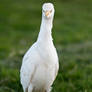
(72, 33)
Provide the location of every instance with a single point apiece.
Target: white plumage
(40, 64)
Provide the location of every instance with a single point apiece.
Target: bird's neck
(45, 31)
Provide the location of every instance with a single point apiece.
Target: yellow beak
(47, 13)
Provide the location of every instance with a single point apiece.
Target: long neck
(45, 31)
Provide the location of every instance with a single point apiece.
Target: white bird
(40, 64)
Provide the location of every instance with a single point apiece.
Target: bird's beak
(47, 13)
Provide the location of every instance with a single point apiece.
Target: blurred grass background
(72, 32)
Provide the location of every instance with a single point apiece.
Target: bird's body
(40, 63)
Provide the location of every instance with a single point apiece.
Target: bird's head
(48, 10)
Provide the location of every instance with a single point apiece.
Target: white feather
(40, 64)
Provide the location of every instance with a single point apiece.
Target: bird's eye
(43, 10)
(50, 11)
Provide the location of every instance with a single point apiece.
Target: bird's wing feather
(27, 74)
(56, 68)
(28, 68)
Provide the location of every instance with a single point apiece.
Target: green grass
(72, 33)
